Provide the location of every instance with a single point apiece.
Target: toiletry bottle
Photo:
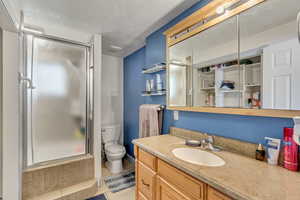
(273, 149)
(159, 84)
(152, 86)
(290, 150)
(148, 86)
(260, 153)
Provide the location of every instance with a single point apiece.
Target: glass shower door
(57, 102)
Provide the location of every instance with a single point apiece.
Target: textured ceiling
(123, 23)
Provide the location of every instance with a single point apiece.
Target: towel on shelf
(150, 122)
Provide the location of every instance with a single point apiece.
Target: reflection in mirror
(216, 75)
(269, 31)
(179, 74)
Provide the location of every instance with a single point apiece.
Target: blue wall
(133, 85)
(250, 129)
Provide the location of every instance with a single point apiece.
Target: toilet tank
(111, 133)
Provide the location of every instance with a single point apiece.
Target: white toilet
(113, 150)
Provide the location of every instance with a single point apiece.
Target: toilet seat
(114, 149)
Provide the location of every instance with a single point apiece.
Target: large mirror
(251, 60)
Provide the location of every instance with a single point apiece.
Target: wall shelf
(253, 65)
(155, 68)
(155, 93)
(253, 85)
(209, 88)
(232, 67)
(230, 91)
(247, 79)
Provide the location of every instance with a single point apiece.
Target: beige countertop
(240, 177)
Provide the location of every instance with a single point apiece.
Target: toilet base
(115, 166)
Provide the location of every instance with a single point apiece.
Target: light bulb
(220, 10)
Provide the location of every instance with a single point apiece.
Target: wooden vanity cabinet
(146, 181)
(158, 180)
(213, 194)
(166, 191)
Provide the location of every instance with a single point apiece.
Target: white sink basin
(198, 157)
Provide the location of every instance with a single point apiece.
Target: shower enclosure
(56, 99)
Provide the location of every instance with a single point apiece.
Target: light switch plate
(176, 115)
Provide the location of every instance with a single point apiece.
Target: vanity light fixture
(116, 47)
(223, 8)
(220, 10)
(177, 62)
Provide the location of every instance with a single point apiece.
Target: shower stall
(56, 99)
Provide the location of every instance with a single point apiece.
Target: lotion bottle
(273, 149)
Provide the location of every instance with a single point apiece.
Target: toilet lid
(115, 148)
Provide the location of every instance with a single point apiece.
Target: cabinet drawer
(165, 191)
(140, 196)
(147, 159)
(213, 194)
(187, 185)
(146, 181)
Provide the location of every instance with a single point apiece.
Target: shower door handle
(26, 79)
(298, 26)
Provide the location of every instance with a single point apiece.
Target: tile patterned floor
(99, 197)
(127, 194)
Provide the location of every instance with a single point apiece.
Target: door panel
(281, 72)
(57, 118)
(146, 181)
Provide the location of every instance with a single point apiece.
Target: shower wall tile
(51, 179)
(77, 172)
(55, 177)
(80, 191)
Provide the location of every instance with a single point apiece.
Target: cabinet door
(165, 191)
(140, 196)
(187, 185)
(281, 74)
(213, 194)
(146, 181)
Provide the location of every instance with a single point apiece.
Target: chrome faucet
(207, 143)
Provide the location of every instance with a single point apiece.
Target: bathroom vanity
(159, 180)
(162, 176)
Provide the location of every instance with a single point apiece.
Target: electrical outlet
(176, 115)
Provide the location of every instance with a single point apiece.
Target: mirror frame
(187, 28)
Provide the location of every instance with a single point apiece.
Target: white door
(281, 75)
